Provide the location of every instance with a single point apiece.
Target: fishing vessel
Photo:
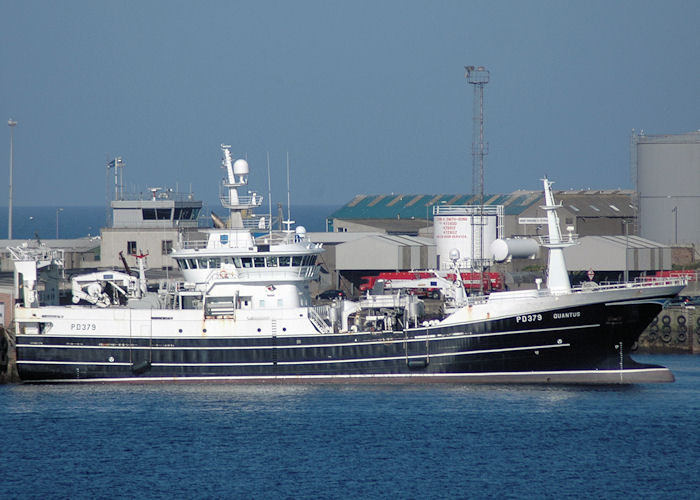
(244, 313)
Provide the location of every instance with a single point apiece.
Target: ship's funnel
(218, 223)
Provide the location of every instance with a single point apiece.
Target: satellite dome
(301, 231)
(454, 254)
(240, 167)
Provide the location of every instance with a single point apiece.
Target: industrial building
(589, 212)
(79, 253)
(350, 255)
(667, 174)
(604, 220)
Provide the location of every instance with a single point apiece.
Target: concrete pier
(675, 330)
(8, 365)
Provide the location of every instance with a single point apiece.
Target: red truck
(432, 283)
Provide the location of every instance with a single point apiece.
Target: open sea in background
(77, 222)
(353, 440)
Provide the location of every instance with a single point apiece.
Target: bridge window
(185, 213)
(164, 213)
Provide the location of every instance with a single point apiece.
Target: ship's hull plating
(582, 344)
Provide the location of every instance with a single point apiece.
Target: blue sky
(366, 96)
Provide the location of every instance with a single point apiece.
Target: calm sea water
(76, 222)
(353, 441)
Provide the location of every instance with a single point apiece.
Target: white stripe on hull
(420, 338)
(633, 376)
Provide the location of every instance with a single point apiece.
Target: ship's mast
(557, 276)
(236, 176)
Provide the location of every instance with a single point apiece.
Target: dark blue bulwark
(593, 337)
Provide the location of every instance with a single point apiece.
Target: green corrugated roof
(406, 206)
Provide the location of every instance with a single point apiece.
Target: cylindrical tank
(668, 187)
(464, 232)
(517, 248)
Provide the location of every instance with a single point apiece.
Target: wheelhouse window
(186, 213)
(164, 213)
(156, 213)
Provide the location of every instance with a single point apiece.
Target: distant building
(79, 253)
(372, 223)
(667, 169)
(592, 212)
(149, 225)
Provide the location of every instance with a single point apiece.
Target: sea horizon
(70, 222)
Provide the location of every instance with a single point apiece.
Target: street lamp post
(58, 210)
(627, 246)
(12, 124)
(675, 216)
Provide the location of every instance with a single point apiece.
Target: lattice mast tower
(478, 76)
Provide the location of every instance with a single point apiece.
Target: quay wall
(8, 365)
(675, 330)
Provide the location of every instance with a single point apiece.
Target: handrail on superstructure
(638, 283)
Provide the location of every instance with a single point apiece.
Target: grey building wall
(382, 253)
(668, 187)
(150, 241)
(607, 253)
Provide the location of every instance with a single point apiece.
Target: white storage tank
(668, 187)
(463, 228)
(517, 248)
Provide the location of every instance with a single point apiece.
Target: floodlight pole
(12, 124)
(58, 210)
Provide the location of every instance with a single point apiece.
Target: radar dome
(240, 167)
(301, 231)
(454, 254)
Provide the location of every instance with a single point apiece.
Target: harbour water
(353, 441)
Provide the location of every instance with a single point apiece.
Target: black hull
(583, 344)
